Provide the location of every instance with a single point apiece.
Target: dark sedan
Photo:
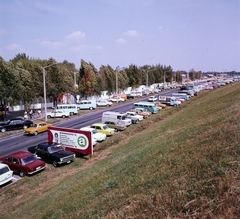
(13, 124)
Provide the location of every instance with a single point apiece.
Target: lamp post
(44, 89)
(75, 83)
(117, 69)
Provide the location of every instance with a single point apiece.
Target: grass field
(180, 163)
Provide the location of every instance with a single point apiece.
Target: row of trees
(21, 79)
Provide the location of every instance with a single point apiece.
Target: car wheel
(55, 164)
(22, 174)
(90, 108)
(24, 126)
(116, 130)
(48, 117)
(35, 133)
(63, 116)
(3, 130)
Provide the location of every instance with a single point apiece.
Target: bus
(71, 108)
(150, 106)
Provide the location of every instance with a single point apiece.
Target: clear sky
(203, 35)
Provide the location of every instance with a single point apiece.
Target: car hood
(30, 129)
(63, 153)
(35, 164)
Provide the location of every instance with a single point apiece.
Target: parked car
(152, 99)
(95, 134)
(13, 124)
(133, 119)
(103, 128)
(53, 153)
(134, 114)
(141, 111)
(23, 163)
(36, 128)
(6, 174)
(159, 104)
(117, 126)
(130, 96)
(58, 113)
(116, 99)
(104, 103)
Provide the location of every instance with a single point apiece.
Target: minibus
(150, 106)
(71, 108)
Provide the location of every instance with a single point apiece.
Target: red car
(23, 163)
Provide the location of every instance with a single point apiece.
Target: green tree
(87, 84)
(11, 87)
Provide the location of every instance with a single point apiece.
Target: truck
(169, 100)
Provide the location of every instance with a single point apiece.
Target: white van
(87, 104)
(110, 116)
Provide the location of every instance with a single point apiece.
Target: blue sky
(203, 35)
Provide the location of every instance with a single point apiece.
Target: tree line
(21, 79)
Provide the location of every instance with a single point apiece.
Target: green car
(116, 126)
(103, 128)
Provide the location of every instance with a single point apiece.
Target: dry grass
(180, 163)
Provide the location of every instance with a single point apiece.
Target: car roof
(98, 124)
(87, 129)
(20, 154)
(47, 144)
(39, 122)
(3, 165)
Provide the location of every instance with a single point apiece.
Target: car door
(12, 125)
(41, 127)
(43, 153)
(13, 163)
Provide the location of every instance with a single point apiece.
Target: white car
(6, 175)
(152, 99)
(134, 114)
(58, 114)
(95, 134)
(104, 103)
(116, 99)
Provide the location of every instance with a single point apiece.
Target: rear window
(4, 170)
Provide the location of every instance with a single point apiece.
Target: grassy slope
(181, 163)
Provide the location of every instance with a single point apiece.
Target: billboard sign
(74, 140)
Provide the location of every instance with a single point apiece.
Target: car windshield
(4, 170)
(54, 149)
(34, 125)
(105, 127)
(28, 159)
(124, 117)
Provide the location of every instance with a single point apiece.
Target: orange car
(36, 128)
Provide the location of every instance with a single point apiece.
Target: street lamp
(75, 83)
(44, 89)
(117, 69)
